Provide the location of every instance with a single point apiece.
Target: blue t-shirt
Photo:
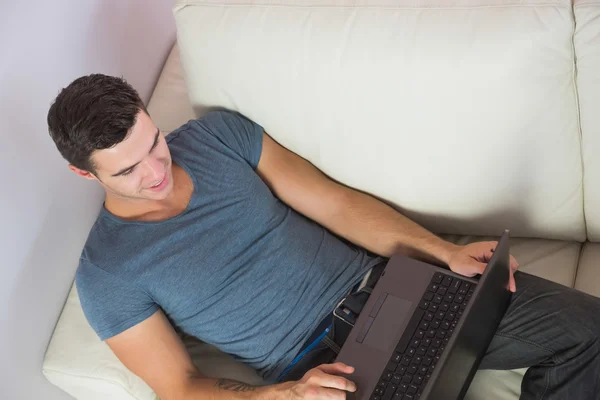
(237, 268)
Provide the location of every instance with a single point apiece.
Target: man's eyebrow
(121, 172)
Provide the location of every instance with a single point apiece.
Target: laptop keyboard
(424, 339)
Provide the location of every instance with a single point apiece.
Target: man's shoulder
(107, 240)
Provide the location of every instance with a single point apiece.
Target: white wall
(45, 210)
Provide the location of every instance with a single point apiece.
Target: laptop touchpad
(386, 329)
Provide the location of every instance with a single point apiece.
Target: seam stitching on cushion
(366, 7)
(579, 254)
(579, 127)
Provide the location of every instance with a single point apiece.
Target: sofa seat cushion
(83, 366)
(588, 269)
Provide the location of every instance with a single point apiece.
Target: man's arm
(351, 214)
(361, 218)
(153, 351)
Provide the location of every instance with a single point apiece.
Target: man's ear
(82, 173)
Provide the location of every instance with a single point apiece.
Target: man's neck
(154, 210)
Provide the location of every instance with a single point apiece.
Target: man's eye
(127, 173)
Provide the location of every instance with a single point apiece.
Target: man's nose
(154, 169)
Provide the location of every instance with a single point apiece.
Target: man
(220, 232)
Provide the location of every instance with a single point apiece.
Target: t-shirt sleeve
(110, 305)
(237, 132)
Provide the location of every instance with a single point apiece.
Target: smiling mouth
(158, 184)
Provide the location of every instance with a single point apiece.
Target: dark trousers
(550, 328)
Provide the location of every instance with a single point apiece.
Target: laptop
(425, 329)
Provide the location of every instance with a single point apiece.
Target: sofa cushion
(463, 114)
(169, 105)
(83, 366)
(587, 47)
(588, 270)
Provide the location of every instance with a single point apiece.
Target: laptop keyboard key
(437, 277)
(415, 343)
(428, 296)
(421, 351)
(391, 366)
(407, 378)
(396, 379)
(434, 287)
(455, 286)
(432, 307)
(437, 299)
(424, 304)
(447, 281)
(412, 369)
(389, 392)
(412, 389)
(417, 380)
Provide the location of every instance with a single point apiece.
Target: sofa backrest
(467, 126)
(587, 50)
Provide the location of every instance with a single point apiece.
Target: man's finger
(330, 394)
(512, 284)
(477, 268)
(336, 368)
(514, 265)
(323, 379)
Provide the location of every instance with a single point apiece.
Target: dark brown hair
(94, 112)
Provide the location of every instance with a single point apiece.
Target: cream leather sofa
(470, 118)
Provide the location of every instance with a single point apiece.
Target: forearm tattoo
(234, 386)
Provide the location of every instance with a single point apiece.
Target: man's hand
(322, 382)
(471, 259)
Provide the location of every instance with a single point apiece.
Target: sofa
(468, 116)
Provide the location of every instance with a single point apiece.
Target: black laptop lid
(475, 331)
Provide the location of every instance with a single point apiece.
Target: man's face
(139, 167)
